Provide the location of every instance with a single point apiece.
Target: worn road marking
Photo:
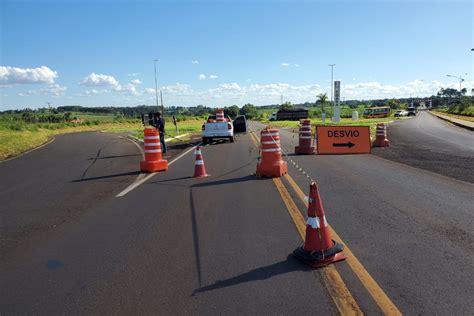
(142, 180)
(333, 282)
(382, 300)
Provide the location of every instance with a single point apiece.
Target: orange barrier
(305, 143)
(199, 168)
(381, 136)
(319, 248)
(271, 163)
(220, 116)
(152, 148)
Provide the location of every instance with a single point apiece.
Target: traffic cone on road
(271, 163)
(319, 248)
(199, 168)
(381, 136)
(305, 142)
(152, 148)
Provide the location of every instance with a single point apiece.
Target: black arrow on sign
(348, 144)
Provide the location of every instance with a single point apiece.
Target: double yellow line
(333, 281)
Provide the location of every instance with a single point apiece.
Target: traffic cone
(199, 168)
(271, 163)
(305, 142)
(381, 136)
(152, 148)
(319, 248)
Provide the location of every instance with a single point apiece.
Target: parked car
(217, 130)
(240, 124)
(412, 111)
(401, 113)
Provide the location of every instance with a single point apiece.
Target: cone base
(381, 143)
(272, 171)
(154, 166)
(304, 150)
(201, 176)
(316, 259)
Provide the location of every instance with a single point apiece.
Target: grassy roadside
(459, 117)
(344, 121)
(15, 142)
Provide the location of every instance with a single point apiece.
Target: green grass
(93, 117)
(459, 117)
(18, 138)
(184, 127)
(344, 121)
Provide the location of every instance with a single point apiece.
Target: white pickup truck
(217, 130)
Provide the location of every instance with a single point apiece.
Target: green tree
(285, 106)
(67, 116)
(394, 103)
(249, 110)
(232, 111)
(322, 100)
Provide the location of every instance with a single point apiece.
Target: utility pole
(461, 79)
(156, 85)
(49, 108)
(162, 106)
(332, 82)
(281, 99)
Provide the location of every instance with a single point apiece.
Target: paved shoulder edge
(454, 121)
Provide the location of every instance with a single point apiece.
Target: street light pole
(461, 79)
(332, 82)
(156, 85)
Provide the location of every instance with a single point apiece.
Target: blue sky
(219, 53)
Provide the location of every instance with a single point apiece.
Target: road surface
(221, 244)
(429, 143)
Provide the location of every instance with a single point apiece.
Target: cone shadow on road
(112, 157)
(259, 274)
(108, 176)
(225, 181)
(194, 225)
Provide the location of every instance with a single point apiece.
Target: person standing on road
(160, 125)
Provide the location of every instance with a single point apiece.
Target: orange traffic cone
(153, 160)
(199, 168)
(271, 163)
(381, 136)
(319, 249)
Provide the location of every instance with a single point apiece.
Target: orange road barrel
(381, 136)
(271, 163)
(152, 147)
(305, 141)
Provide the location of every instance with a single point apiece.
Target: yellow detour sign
(343, 139)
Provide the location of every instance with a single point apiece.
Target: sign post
(337, 98)
(343, 139)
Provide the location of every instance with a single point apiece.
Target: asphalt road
(220, 244)
(429, 143)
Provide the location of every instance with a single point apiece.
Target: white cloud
(133, 74)
(212, 77)
(53, 90)
(202, 77)
(129, 89)
(296, 65)
(150, 90)
(136, 82)
(195, 61)
(13, 75)
(99, 80)
(285, 64)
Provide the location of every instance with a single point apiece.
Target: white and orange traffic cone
(319, 249)
(199, 168)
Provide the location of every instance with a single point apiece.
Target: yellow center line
(379, 296)
(340, 294)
